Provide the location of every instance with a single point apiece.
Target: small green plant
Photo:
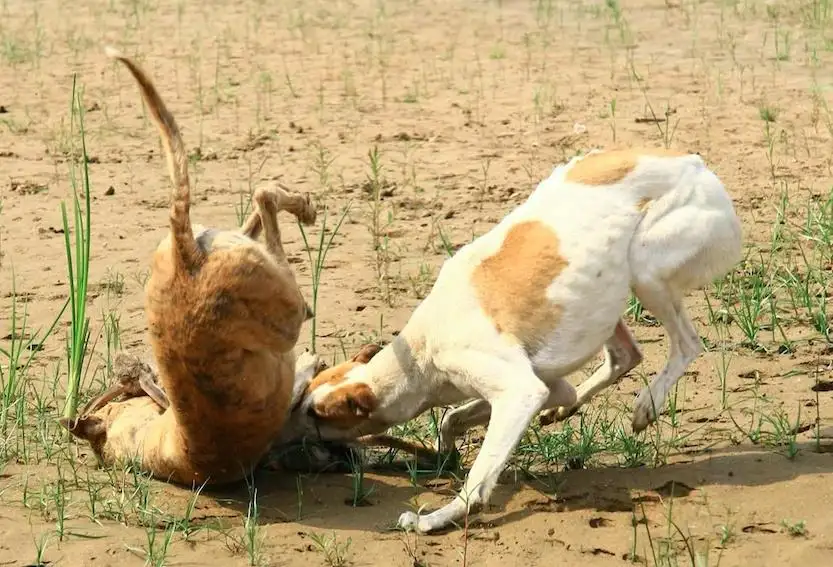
(253, 539)
(317, 263)
(156, 552)
(244, 205)
(783, 434)
(360, 493)
(794, 529)
(20, 354)
(335, 553)
(726, 532)
(663, 123)
(40, 550)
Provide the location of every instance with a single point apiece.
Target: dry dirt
(470, 104)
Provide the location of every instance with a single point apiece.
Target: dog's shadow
(341, 496)
(617, 489)
(342, 499)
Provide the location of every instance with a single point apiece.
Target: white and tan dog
(526, 304)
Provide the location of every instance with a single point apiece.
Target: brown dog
(224, 313)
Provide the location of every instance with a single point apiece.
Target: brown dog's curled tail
(186, 253)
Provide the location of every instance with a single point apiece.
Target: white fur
(450, 351)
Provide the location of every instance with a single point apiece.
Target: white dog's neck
(397, 376)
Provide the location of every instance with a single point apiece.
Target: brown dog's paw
(130, 371)
(308, 213)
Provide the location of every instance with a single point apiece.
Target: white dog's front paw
(408, 521)
(645, 412)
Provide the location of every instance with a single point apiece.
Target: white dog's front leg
(515, 395)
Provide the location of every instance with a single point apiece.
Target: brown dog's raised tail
(186, 253)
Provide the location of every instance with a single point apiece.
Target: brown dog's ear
(366, 353)
(88, 428)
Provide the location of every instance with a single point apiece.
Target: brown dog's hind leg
(270, 203)
(252, 226)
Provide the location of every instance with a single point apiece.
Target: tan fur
(512, 284)
(224, 313)
(336, 374)
(607, 168)
(347, 406)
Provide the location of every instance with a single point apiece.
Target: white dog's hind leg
(684, 347)
(622, 354)
(477, 412)
(678, 251)
(516, 395)
(459, 420)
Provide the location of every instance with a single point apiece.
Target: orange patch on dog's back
(606, 168)
(512, 284)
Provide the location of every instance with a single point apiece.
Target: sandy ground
(470, 104)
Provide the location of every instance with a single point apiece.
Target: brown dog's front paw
(308, 213)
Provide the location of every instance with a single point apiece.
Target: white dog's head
(336, 415)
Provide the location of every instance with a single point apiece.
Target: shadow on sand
(324, 500)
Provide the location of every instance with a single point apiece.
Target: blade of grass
(317, 264)
(78, 270)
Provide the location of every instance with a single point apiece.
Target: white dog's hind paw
(644, 412)
(408, 521)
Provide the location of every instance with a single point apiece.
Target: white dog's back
(605, 217)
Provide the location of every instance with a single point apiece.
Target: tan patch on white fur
(337, 374)
(348, 405)
(512, 284)
(607, 168)
(643, 204)
(332, 376)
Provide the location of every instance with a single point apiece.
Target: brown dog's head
(90, 428)
(336, 404)
(111, 429)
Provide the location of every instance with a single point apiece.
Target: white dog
(521, 307)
